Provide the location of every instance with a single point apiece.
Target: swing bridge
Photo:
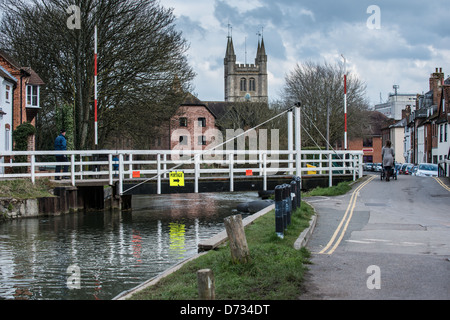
(129, 172)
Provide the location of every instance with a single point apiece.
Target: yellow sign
(310, 166)
(176, 179)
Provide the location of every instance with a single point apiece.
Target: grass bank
(340, 189)
(275, 272)
(24, 189)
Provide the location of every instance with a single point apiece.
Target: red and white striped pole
(345, 103)
(95, 84)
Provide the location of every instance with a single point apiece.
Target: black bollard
(294, 195)
(279, 211)
(298, 180)
(287, 202)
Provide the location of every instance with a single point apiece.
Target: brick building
(25, 96)
(193, 126)
(372, 143)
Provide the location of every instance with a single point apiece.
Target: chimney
(436, 81)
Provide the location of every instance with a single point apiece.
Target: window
(202, 140)
(368, 142)
(441, 132)
(183, 122)
(7, 139)
(243, 84)
(183, 140)
(251, 84)
(32, 96)
(8, 94)
(202, 122)
(445, 132)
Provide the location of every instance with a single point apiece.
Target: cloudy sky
(397, 42)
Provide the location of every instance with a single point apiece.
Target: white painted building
(396, 103)
(7, 83)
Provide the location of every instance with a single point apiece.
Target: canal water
(98, 255)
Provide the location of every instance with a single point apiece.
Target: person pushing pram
(388, 160)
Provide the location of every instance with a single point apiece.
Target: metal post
(345, 102)
(330, 170)
(33, 161)
(158, 172)
(298, 181)
(294, 195)
(110, 169)
(72, 169)
(95, 87)
(287, 195)
(231, 160)
(264, 171)
(120, 174)
(290, 141)
(196, 172)
(298, 140)
(279, 208)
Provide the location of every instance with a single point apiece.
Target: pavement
(381, 241)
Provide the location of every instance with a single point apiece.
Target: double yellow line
(346, 219)
(442, 184)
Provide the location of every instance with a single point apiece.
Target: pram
(393, 172)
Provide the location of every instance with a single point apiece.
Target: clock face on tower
(247, 97)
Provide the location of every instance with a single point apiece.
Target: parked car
(368, 166)
(403, 168)
(378, 167)
(408, 169)
(427, 170)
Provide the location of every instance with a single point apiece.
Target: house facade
(23, 95)
(7, 84)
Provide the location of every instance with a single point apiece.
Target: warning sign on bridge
(176, 179)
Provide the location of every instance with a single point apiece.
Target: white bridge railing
(118, 166)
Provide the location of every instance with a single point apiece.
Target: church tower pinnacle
(245, 82)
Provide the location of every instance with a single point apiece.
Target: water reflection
(114, 251)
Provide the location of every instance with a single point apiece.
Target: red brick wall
(192, 130)
(374, 151)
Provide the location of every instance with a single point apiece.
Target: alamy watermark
(74, 20)
(216, 148)
(374, 21)
(374, 280)
(74, 278)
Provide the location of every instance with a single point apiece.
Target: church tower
(246, 82)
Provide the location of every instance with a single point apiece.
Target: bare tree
(140, 56)
(320, 87)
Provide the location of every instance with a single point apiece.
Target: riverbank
(275, 271)
(18, 198)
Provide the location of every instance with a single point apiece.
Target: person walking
(387, 156)
(61, 145)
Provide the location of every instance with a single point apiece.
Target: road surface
(382, 240)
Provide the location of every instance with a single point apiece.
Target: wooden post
(206, 286)
(237, 239)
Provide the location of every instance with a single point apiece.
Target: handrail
(115, 166)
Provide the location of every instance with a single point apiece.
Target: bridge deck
(210, 184)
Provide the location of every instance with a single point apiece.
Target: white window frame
(31, 95)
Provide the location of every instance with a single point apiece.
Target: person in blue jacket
(61, 145)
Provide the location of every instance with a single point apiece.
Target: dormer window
(32, 96)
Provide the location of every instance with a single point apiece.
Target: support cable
(207, 150)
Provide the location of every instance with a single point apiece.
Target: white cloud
(407, 48)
